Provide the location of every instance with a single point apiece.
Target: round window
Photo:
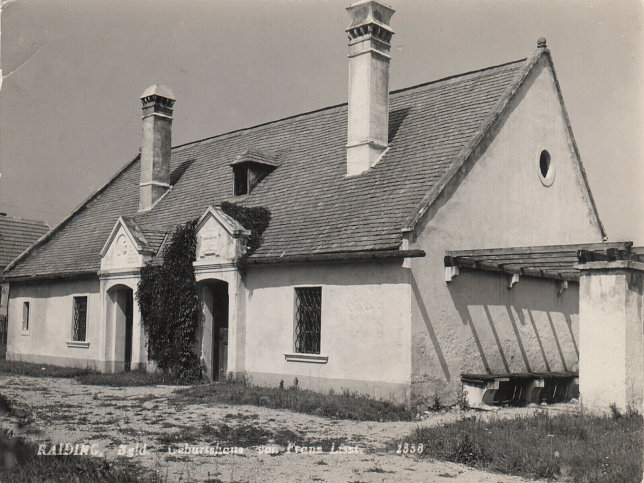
(546, 169)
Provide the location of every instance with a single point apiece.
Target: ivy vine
(255, 219)
(168, 299)
(170, 307)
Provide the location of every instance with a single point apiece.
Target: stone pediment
(220, 238)
(126, 247)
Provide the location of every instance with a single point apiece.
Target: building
(380, 269)
(16, 235)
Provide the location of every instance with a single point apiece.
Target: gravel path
(64, 411)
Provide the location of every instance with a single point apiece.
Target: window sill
(314, 358)
(77, 344)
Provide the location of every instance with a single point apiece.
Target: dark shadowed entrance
(215, 328)
(119, 327)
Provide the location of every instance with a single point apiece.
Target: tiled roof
(154, 239)
(252, 155)
(315, 207)
(16, 235)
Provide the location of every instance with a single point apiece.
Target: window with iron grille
(308, 317)
(25, 316)
(80, 319)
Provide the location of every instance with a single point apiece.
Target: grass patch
(41, 370)
(131, 378)
(570, 446)
(341, 406)
(243, 435)
(90, 376)
(21, 463)
(5, 404)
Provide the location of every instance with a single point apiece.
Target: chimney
(157, 103)
(369, 45)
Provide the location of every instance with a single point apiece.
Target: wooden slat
(572, 254)
(539, 249)
(544, 265)
(550, 261)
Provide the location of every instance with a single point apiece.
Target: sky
(73, 72)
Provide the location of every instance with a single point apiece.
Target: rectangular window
(80, 319)
(308, 318)
(25, 316)
(241, 180)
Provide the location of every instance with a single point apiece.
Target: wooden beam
(566, 272)
(572, 254)
(335, 257)
(539, 249)
(82, 274)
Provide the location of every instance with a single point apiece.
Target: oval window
(546, 169)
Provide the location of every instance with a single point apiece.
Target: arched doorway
(119, 327)
(214, 333)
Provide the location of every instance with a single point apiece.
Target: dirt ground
(64, 411)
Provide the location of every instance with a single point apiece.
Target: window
(79, 327)
(546, 168)
(241, 180)
(308, 316)
(544, 163)
(25, 316)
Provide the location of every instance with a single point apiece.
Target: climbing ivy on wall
(255, 219)
(167, 294)
(170, 308)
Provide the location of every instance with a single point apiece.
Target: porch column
(237, 325)
(139, 342)
(611, 319)
(102, 330)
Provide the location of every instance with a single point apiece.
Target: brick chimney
(157, 103)
(369, 45)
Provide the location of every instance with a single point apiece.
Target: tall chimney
(369, 45)
(157, 103)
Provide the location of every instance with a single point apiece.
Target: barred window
(308, 315)
(80, 319)
(25, 316)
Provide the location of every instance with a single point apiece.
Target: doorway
(215, 299)
(118, 341)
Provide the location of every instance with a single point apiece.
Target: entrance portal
(214, 344)
(119, 327)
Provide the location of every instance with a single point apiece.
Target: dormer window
(241, 180)
(250, 167)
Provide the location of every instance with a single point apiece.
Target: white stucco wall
(612, 338)
(365, 329)
(501, 202)
(50, 324)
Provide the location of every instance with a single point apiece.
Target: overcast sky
(74, 70)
